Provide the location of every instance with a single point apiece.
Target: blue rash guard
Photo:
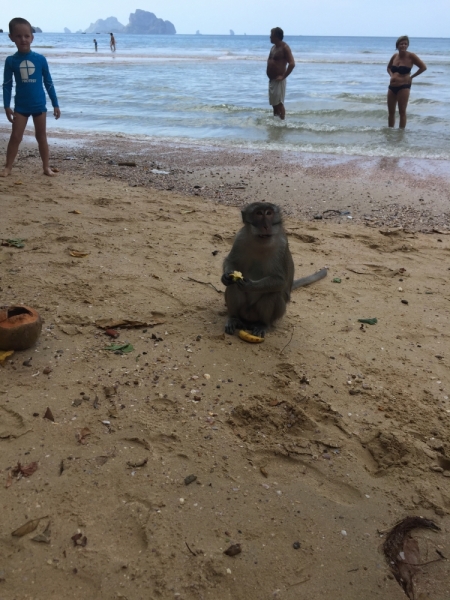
(29, 70)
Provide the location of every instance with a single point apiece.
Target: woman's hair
(402, 38)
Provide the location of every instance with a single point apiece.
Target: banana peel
(248, 337)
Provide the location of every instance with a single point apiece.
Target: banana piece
(248, 337)
(235, 275)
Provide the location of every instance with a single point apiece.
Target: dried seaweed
(402, 551)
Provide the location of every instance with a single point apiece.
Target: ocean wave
(431, 120)
(365, 99)
(424, 101)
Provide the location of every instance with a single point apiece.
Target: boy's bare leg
(40, 127)
(18, 127)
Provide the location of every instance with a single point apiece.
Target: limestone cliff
(109, 25)
(145, 22)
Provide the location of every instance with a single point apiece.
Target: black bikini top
(401, 70)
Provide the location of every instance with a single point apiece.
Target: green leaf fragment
(368, 321)
(122, 348)
(16, 242)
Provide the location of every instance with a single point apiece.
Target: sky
(416, 18)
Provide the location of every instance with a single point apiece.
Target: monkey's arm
(310, 279)
(264, 285)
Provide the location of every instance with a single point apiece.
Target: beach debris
(20, 471)
(44, 537)
(233, 550)
(79, 540)
(49, 415)
(404, 302)
(334, 212)
(160, 172)
(14, 243)
(190, 479)
(196, 553)
(336, 280)
(372, 321)
(27, 362)
(82, 435)
(135, 464)
(215, 252)
(75, 212)
(18, 183)
(5, 355)
(78, 253)
(402, 552)
(248, 337)
(263, 472)
(120, 348)
(28, 527)
(127, 323)
(47, 370)
(112, 333)
(296, 545)
(130, 163)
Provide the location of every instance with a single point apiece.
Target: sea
(212, 90)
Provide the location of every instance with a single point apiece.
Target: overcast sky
(416, 18)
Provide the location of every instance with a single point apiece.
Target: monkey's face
(265, 221)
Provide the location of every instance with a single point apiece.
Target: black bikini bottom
(396, 88)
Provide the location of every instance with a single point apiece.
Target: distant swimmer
(399, 69)
(280, 65)
(95, 44)
(112, 43)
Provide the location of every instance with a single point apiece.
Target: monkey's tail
(310, 279)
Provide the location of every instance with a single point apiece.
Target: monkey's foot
(232, 324)
(259, 329)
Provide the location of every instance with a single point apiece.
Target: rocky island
(140, 22)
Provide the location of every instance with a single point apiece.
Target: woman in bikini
(399, 69)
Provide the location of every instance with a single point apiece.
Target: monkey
(261, 253)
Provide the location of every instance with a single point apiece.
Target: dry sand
(325, 435)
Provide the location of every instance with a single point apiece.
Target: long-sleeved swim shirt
(30, 71)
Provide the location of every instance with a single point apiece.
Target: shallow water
(214, 88)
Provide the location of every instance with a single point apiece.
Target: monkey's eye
(259, 213)
(269, 213)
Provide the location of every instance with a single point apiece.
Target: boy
(30, 70)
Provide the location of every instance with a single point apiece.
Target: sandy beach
(305, 449)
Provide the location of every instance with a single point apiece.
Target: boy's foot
(5, 172)
(48, 171)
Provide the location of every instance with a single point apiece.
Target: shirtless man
(280, 65)
(112, 42)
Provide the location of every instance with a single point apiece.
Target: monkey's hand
(230, 278)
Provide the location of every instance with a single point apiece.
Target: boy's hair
(402, 38)
(19, 21)
(278, 32)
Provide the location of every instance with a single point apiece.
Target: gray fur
(261, 253)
